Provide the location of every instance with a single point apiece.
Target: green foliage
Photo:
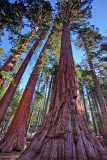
(78, 73)
(89, 38)
(104, 47)
(94, 44)
(6, 75)
(11, 15)
(74, 12)
(38, 12)
(13, 106)
(55, 43)
(103, 84)
(1, 52)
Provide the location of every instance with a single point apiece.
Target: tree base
(13, 142)
(64, 136)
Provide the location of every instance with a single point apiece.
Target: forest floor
(14, 154)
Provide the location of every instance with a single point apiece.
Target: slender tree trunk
(85, 108)
(64, 134)
(6, 99)
(45, 99)
(53, 85)
(99, 117)
(37, 124)
(33, 106)
(46, 105)
(99, 93)
(100, 97)
(15, 136)
(92, 115)
(11, 62)
(30, 115)
(37, 121)
(96, 117)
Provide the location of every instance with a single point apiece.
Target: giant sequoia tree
(15, 136)
(64, 133)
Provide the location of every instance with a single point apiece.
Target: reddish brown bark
(64, 134)
(15, 136)
(6, 99)
(100, 97)
(11, 62)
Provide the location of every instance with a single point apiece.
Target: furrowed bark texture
(15, 136)
(100, 97)
(64, 134)
(6, 99)
(11, 62)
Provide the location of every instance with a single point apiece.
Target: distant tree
(16, 132)
(89, 39)
(6, 99)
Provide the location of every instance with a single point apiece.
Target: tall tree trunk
(98, 91)
(6, 99)
(33, 106)
(92, 115)
(15, 136)
(11, 62)
(64, 134)
(30, 115)
(99, 117)
(96, 117)
(46, 105)
(45, 98)
(85, 108)
(100, 97)
(37, 120)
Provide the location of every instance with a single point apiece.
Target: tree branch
(77, 1)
